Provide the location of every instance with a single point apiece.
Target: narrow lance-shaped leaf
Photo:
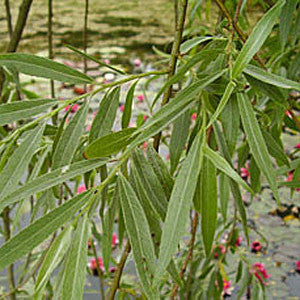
(180, 204)
(70, 138)
(256, 142)
(51, 179)
(209, 204)
(75, 268)
(106, 115)
(19, 161)
(30, 237)
(43, 67)
(22, 110)
(128, 106)
(256, 39)
(224, 195)
(270, 78)
(178, 139)
(139, 235)
(171, 111)
(53, 257)
(109, 144)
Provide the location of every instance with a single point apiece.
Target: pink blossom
(88, 128)
(297, 263)
(244, 173)
(73, 109)
(137, 62)
(238, 241)
(260, 272)
(145, 118)
(95, 113)
(122, 107)
(194, 116)
(115, 240)
(297, 146)
(93, 264)
(145, 145)
(81, 189)
(141, 98)
(106, 61)
(112, 269)
(288, 113)
(226, 287)
(256, 247)
(219, 250)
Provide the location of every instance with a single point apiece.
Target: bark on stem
(174, 57)
(119, 271)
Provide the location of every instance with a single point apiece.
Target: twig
(20, 25)
(10, 269)
(119, 271)
(85, 33)
(99, 271)
(237, 28)
(8, 18)
(189, 255)
(237, 11)
(174, 57)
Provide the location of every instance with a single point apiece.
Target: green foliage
(244, 95)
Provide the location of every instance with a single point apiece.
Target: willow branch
(174, 58)
(119, 271)
(237, 28)
(8, 18)
(189, 255)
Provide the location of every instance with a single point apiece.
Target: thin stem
(10, 269)
(20, 25)
(85, 33)
(237, 28)
(189, 255)
(8, 18)
(119, 271)
(174, 58)
(237, 11)
(99, 271)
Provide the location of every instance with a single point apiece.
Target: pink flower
(93, 265)
(238, 241)
(145, 145)
(95, 113)
(73, 109)
(137, 62)
(256, 247)
(244, 173)
(88, 128)
(122, 107)
(115, 240)
(145, 118)
(297, 263)
(260, 272)
(141, 98)
(290, 178)
(297, 146)
(194, 116)
(219, 250)
(106, 61)
(226, 287)
(81, 189)
(288, 113)
(112, 269)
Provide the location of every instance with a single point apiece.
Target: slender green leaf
(270, 78)
(19, 161)
(101, 63)
(284, 169)
(139, 234)
(255, 176)
(171, 111)
(43, 67)
(75, 268)
(106, 115)
(290, 184)
(228, 91)
(178, 139)
(51, 179)
(257, 143)
(190, 44)
(221, 164)
(22, 110)
(128, 106)
(69, 140)
(180, 204)
(30, 237)
(224, 195)
(256, 39)
(151, 184)
(53, 257)
(209, 204)
(286, 19)
(109, 144)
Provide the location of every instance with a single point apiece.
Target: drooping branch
(8, 18)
